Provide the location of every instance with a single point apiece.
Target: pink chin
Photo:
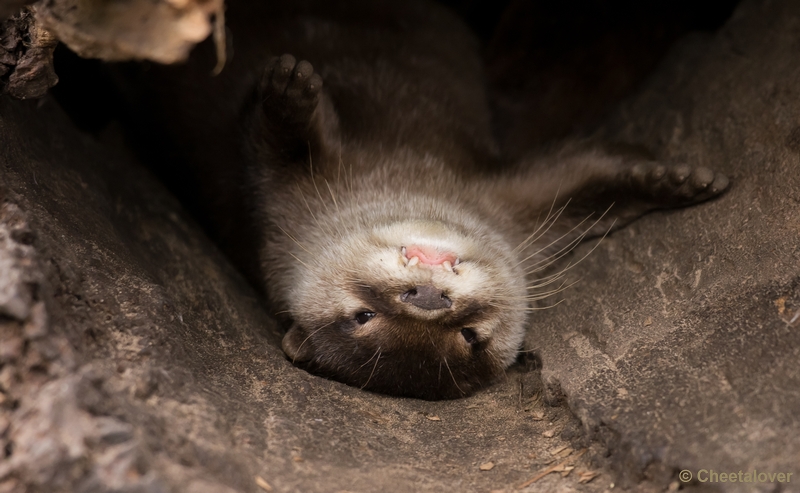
(429, 255)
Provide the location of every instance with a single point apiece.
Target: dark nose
(427, 297)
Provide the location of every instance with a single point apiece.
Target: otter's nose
(427, 297)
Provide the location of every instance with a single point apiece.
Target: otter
(400, 249)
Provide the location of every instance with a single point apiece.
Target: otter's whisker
(453, 376)
(313, 216)
(542, 249)
(550, 218)
(537, 308)
(546, 262)
(378, 352)
(333, 196)
(294, 240)
(339, 170)
(574, 243)
(597, 244)
(546, 280)
(314, 179)
(309, 337)
(443, 359)
(298, 259)
(370, 358)
(495, 359)
(547, 294)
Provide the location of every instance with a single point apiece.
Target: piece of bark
(26, 56)
(163, 31)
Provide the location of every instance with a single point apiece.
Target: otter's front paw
(289, 91)
(675, 185)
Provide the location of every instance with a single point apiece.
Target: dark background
(557, 66)
(553, 70)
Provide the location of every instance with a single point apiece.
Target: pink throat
(429, 255)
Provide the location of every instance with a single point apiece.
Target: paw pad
(289, 89)
(676, 185)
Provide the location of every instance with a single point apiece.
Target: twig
(550, 469)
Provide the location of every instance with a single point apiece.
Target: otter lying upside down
(407, 271)
(400, 249)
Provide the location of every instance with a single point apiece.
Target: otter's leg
(586, 194)
(285, 127)
(639, 187)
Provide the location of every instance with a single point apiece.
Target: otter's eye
(469, 335)
(364, 317)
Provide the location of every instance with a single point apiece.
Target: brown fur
(385, 143)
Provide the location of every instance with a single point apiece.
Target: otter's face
(414, 309)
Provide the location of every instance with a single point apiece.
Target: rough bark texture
(681, 344)
(26, 57)
(133, 358)
(162, 31)
(11, 7)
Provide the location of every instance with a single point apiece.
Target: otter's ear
(296, 345)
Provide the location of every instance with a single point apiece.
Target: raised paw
(290, 91)
(675, 185)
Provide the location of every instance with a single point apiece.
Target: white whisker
(453, 376)
(378, 352)
(309, 337)
(550, 218)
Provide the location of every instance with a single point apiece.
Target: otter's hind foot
(289, 92)
(674, 185)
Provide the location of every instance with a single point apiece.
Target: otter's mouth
(429, 256)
